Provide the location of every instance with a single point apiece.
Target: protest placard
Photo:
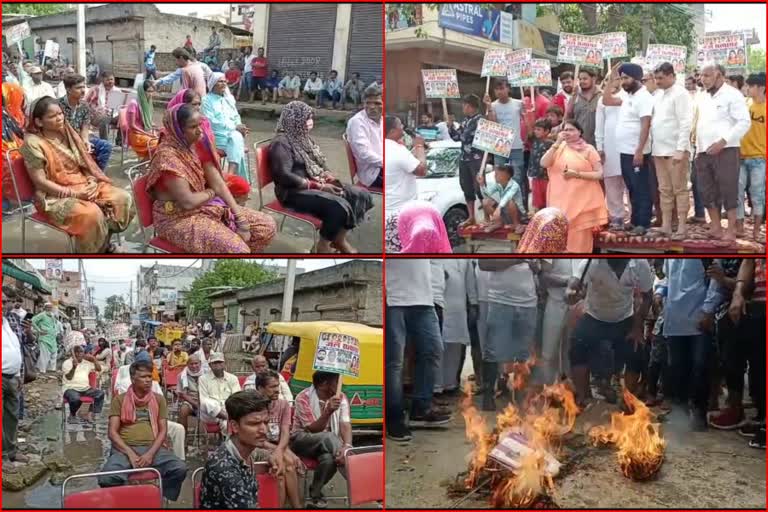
(728, 50)
(493, 138)
(656, 54)
(337, 353)
(17, 33)
(614, 45)
(519, 66)
(51, 50)
(494, 63)
(580, 49)
(440, 83)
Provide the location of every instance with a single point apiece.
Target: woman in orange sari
(575, 171)
(13, 135)
(71, 190)
(141, 133)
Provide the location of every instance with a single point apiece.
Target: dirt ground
(711, 469)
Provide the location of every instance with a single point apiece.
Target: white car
(441, 185)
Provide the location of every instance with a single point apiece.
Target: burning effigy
(637, 437)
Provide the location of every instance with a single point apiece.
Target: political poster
(541, 73)
(54, 269)
(337, 353)
(656, 54)
(440, 83)
(519, 66)
(17, 33)
(493, 138)
(580, 49)
(494, 62)
(614, 45)
(51, 50)
(729, 50)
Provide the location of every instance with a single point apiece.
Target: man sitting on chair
(260, 366)
(76, 384)
(188, 390)
(322, 430)
(215, 387)
(228, 479)
(138, 425)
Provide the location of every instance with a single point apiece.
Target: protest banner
(580, 49)
(541, 73)
(17, 33)
(493, 138)
(519, 66)
(614, 46)
(442, 84)
(494, 64)
(728, 50)
(51, 49)
(656, 54)
(337, 353)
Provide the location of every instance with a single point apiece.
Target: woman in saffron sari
(575, 171)
(228, 128)
(141, 134)
(71, 190)
(13, 135)
(193, 208)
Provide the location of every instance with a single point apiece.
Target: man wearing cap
(46, 327)
(634, 142)
(38, 88)
(215, 387)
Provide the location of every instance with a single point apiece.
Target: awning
(15, 272)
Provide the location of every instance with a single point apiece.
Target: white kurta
(606, 120)
(460, 290)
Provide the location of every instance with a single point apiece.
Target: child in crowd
(540, 144)
(503, 200)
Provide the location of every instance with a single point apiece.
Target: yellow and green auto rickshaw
(365, 392)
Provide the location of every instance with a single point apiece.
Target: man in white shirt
(634, 143)
(38, 88)
(401, 167)
(313, 88)
(365, 137)
(670, 133)
(75, 373)
(11, 391)
(554, 278)
(411, 315)
(609, 334)
(245, 80)
(723, 119)
(459, 293)
(290, 86)
(215, 387)
(19, 311)
(605, 143)
(260, 365)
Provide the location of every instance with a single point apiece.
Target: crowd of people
(680, 334)
(149, 421)
(634, 134)
(199, 175)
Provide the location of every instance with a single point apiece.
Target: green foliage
(35, 9)
(756, 60)
(115, 306)
(236, 273)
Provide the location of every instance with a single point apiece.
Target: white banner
(17, 33)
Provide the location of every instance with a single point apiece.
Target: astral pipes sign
(471, 19)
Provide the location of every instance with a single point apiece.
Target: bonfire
(637, 438)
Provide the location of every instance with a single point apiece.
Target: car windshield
(443, 162)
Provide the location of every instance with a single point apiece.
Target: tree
(756, 60)
(115, 307)
(35, 9)
(235, 273)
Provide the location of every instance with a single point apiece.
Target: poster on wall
(440, 83)
(54, 269)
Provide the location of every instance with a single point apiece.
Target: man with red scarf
(138, 426)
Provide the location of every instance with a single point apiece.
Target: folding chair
(24, 190)
(263, 179)
(144, 203)
(92, 382)
(138, 496)
(365, 469)
(353, 169)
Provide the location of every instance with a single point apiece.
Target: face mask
(310, 124)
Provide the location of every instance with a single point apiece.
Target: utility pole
(646, 28)
(81, 64)
(130, 298)
(290, 280)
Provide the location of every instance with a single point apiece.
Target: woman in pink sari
(417, 228)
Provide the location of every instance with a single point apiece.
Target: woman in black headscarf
(304, 183)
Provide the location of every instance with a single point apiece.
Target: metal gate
(301, 38)
(365, 42)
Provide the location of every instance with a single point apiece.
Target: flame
(520, 373)
(526, 487)
(637, 438)
(477, 434)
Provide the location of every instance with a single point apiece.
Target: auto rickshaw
(365, 392)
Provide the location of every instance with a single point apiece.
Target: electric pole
(81, 64)
(290, 280)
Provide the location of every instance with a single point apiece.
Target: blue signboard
(471, 19)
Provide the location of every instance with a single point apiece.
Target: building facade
(162, 290)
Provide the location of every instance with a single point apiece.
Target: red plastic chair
(365, 475)
(241, 379)
(138, 496)
(197, 485)
(92, 382)
(353, 169)
(312, 465)
(144, 204)
(263, 179)
(269, 491)
(24, 190)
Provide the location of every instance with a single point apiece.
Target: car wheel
(452, 219)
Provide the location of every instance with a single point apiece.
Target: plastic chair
(241, 379)
(365, 469)
(269, 491)
(144, 204)
(263, 179)
(24, 190)
(312, 465)
(138, 496)
(353, 169)
(92, 382)
(197, 487)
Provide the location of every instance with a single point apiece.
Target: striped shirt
(303, 415)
